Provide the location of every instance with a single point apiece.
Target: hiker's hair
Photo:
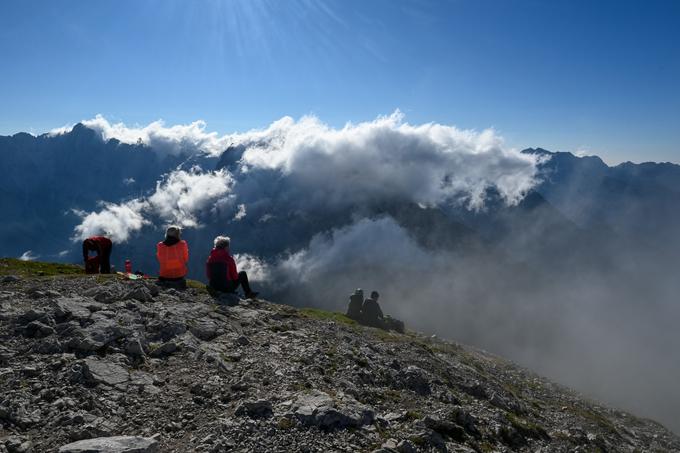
(221, 242)
(375, 295)
(173, 231)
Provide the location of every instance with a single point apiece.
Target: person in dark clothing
(356, 300)
(371, 314)
(101, 262)
(221, 270)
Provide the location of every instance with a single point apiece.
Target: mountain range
(50, 178)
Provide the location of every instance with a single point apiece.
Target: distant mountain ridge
(632, 199)
(49, 176)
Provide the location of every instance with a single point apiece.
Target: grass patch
(285, 423)
(472, 362)
(419, 441)
(447, 348)
(278, 328)
(390, 336)
(153, 347)
(387, 336)
(390, 395)
(195, 284)
(103, 278)
(315, 313)
(13, 266)
(512, 390)
(486, 447)
(362, 362)
(526, 427)
(412, 415)
(594, 417)
(231, 358)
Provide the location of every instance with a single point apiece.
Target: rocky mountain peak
(82, 132)
(101, 364)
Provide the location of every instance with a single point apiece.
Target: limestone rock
(101, 371)
(255, 409)
(164, 349)
(140, 293)
(317, 408)
(104, 331)
(72, 307)
(414, 378)
(117, 444)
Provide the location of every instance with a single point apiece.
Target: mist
(608, 332)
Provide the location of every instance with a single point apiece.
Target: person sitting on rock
(101, 262)
(372, 315)
(221, 270)
(356, 300)
(173, 256)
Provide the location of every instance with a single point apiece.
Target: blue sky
(598, 76)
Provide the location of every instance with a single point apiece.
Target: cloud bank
(389, 159)
(187, 138)
(297, 166)
(180, 198)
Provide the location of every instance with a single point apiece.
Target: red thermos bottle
(128, 266)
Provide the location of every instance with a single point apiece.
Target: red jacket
(221, 256)
(99, 244)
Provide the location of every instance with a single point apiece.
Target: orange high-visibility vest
(173, 259)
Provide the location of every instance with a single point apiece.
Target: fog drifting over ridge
(307, 207)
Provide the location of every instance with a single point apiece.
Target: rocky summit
(100, 364)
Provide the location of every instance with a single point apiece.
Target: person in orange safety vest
(173, 256)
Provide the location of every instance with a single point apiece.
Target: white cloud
(184, 194)
(386, 158)
(296, 166)
(583, 152)
(389, 159)
(355, 249)
(28, 255)
(172, 140)
(241, 212)
(118, 221)
(178, 199)
(256, 269)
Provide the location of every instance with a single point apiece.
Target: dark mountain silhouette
(45, 178)
(635, 200)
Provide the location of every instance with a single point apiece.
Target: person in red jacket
(221, 270)
(101, 263)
